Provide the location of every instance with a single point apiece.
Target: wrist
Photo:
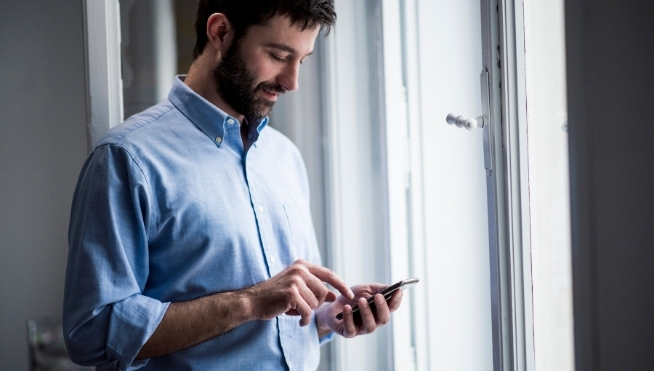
(321, 322)
(232, 307)
(247, 304)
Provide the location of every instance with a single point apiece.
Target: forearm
(189, 323)
(298, 289)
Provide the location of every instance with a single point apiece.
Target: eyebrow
(284, 47)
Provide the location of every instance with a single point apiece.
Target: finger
(349, 328)
(377, 287)
(305, 312)
(369, 324)
(331, 297)
(383, 313)
(314, 277)
(395, 301)
(320, 290)
(309, 296)
(329, 276)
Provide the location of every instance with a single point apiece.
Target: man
(191, 244)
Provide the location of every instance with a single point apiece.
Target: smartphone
(387, 292)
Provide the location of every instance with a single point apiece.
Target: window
(481, 216)
(431, 220)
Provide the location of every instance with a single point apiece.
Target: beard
(237, 86)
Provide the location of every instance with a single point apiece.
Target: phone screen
(386, 292)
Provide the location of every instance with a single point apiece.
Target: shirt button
(230, 122)
(219, 139)
(260, 208)
(272, 259)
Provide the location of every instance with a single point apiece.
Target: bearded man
(191, 241)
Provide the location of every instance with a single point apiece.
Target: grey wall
(610, 47)
(42, 147)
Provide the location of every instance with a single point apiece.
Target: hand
(297, 290)
(349, 327)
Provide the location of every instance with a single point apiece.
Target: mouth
(270, 94)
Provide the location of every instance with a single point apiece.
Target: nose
(289, 77)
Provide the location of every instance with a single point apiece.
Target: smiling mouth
(271, 95)
(272, 92)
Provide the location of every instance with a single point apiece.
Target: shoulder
(139, 125)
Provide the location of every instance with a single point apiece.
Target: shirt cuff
(133, 322)
(327, 338)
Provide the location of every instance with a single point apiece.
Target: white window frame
(514, 95)
(103, 67)
(514, 132)
(508, 185)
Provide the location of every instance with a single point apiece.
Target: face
(261, 65)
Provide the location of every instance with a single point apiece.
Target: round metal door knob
(465, 122)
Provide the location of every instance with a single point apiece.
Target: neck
(200, 80)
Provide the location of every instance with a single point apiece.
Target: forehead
(279, 30)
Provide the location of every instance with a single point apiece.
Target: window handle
(464, 122)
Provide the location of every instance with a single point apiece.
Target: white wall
(549, 191)
(42, 147)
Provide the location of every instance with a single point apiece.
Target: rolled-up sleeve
(106, 318)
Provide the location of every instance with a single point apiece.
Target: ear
(220, 33)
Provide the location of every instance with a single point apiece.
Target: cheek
(263, 69)
(265, 72)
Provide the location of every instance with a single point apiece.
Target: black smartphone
(387, 292)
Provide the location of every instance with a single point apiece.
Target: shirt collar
(205, 115)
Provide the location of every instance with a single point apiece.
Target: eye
(276, 58)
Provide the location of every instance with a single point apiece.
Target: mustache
(272, 87)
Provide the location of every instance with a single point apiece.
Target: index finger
(328, 275)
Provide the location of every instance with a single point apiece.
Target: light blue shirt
(169, 208)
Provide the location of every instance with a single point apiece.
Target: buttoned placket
(262, 215)
(285, 324)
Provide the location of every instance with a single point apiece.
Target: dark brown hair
(245, 13)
